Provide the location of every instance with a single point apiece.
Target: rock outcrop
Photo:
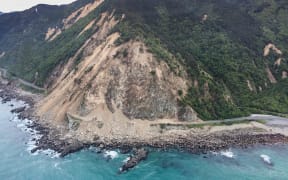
(270, 47)
(18, 110)
(139, 155)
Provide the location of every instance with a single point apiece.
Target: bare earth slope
(116, 90)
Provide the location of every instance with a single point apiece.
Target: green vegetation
(27, 54)
(221, 53)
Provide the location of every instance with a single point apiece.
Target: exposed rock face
(138, 90)
(87, 27)
(80, 13)
(250, 85)
(186, 113)
(204, 18)
(270, 76)
(284, 75)
(125, 82)
(270, 47)
(54, 32)
(278, 62)
(2, 54)
(112, 85)
(139, 155)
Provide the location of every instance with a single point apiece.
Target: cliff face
(114, 84)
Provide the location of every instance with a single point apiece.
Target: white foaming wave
(22, 126)
(126, 160)
(110, 154)
(266, 158)
(51, 153)
(56, 165)
(227, 153)
(94, 149)
(32, 145)
(214, 152)
(34, 137)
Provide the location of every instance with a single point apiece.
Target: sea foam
(126, 160)
(266, 158)
(34, 137)
(110, 154)
(227, 153)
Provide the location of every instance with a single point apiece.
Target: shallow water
(18, 163)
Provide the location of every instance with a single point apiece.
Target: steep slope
(149, 59)
(22, 40)
(112, 85)
(233, 50)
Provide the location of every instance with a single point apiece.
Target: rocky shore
(201, 144)
(9, 92)
(138, 156)
(193, 143)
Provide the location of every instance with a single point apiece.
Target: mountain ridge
(233, 59)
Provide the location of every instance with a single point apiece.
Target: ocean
(17, 163)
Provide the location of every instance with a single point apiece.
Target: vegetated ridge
(145, 59)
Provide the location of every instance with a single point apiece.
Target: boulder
(139, 155)
(18, 110)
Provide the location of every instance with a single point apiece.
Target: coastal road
(26, 83)
(21, 81)
(270, 120)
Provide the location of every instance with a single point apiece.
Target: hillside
(22, 40)
(146, 59)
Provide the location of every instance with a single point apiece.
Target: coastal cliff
(229, 61)
(139, 72)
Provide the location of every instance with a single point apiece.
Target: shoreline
(195, 143)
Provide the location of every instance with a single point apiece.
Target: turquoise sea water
(16, 163)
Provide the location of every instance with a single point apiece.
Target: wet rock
(18, 110)
(35, 149)
(139, 155)
(125, 149)
(6, 99)
(74, 147)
